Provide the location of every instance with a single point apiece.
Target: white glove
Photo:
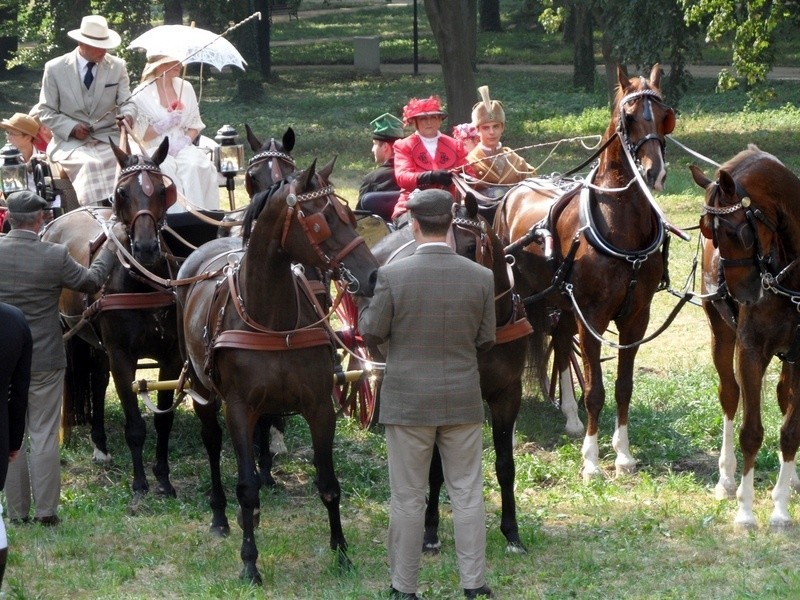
(118, 230)
(171, 120)
(177, 143)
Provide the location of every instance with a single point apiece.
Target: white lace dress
(193, 173)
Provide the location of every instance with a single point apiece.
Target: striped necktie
(88, 78)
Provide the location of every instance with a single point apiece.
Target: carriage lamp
(13, 172)
(229, 158)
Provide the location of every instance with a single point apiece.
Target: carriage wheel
(356, 399)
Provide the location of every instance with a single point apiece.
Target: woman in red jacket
(427, 158)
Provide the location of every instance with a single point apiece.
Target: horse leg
(211, 434)
(594, 398)
(163, 425)
(322, 422)
(100, 376)
(430, 540)
(789, 441)
(123, 369)
(562, 359)
(504, 408)
(723, 344)
(240, 428)
(629, 333)
(751, 367)
(785, 385)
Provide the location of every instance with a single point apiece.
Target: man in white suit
(83, 95)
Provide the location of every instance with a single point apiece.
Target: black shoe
(22, 521)
(398, 595)
(48, 521)
(483, 591)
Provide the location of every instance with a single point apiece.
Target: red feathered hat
(420, 108)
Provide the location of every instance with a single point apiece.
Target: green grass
(656, 534)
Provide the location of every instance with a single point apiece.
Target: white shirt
(430, 144)
(82, 64)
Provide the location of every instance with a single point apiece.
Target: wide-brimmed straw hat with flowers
(417, 107)
(94, 31)
(153, 62)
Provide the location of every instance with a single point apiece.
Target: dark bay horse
(133, 316)
(501, 368)
(751, 222)
(254, 339)
(600, 258)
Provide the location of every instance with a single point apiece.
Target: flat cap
(25, 202)
(430, 203)
(387, 127)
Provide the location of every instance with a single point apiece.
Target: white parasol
(189, 45)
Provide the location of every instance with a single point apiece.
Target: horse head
(141, 200)
(270, 163)
(642, 121)
(312, 226)
(740, 222)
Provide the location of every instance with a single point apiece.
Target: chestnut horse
(601, 256)
(254, 340)
(133, 316)
(751, 222)
(501, 368)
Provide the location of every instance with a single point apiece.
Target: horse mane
(746, 157)
(255, 207)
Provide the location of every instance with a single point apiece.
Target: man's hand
(81, 131)
(124, 120)
(118, 230)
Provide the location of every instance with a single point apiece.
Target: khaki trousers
(410, 449)
(38, 469)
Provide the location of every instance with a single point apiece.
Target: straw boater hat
(421, 108)
(387, 128)
(155, 61)
(21, 122)
(487, 110)
(94, 31)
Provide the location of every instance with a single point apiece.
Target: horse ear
(726, 183)
(655, 76)
(161, 152)
(255, 143)
(699, 177)
(304, 179)
(622, 78)
(288, 140)
(471, 204)
(122, 156)
(325, 172)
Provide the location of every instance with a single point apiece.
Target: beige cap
(487, 110)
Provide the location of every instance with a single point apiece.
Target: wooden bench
(283, 7)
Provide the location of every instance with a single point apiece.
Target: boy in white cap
(83, 94)
(492, 162)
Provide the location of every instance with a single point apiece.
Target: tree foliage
(749, 27)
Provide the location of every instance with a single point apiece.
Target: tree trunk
(173, 12)
(490, 15)
(8, 44)
(583, 73)
(610, 63)
(263, 35)
(454, 26)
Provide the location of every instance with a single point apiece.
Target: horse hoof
(219, 531)
(780, 524)
(431, 548)
(166, 491)
(516, 548)
(723, 492)
(133, 506)
(99, 457)
(591, 472)
(345, 564)
(251, 575)
(625, 469)
(745, 524)
(575, 431)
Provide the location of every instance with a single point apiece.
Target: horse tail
(85, 382)
(537, 355)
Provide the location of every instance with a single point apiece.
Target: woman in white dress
(168, 107)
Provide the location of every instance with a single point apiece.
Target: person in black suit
(15, 376)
